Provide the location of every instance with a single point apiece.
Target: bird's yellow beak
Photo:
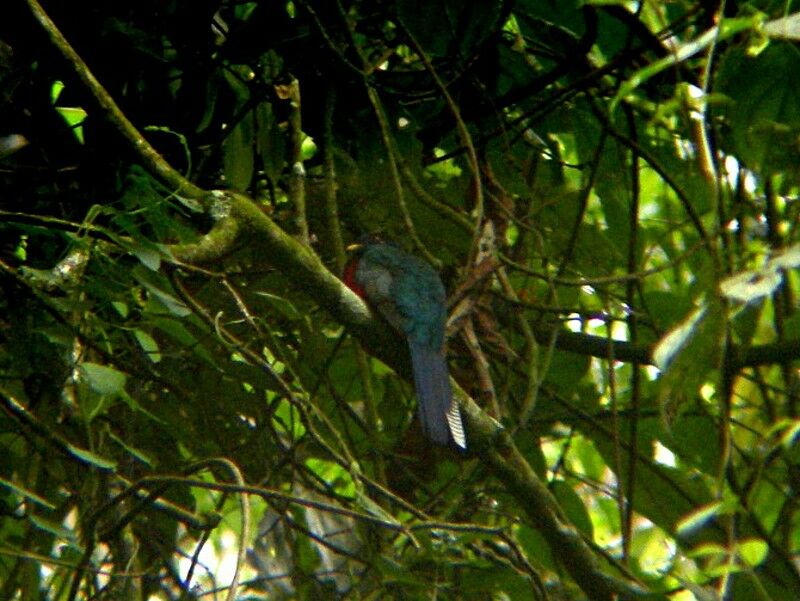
(354, 246)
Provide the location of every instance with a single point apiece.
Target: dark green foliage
(639, 173)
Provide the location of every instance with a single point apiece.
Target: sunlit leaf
(334, 474)
(287, 419)
(652, 549)
(74, 116)
(55, 90)
(671, 344)
(787, 28)
(709, 550)
(752, 551)
(788, 258)
(700, 517)
(122, 308)
(308, 148)
(791, 434)
(750, 285)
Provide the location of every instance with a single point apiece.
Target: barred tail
(438, 413)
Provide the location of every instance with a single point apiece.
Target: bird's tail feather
(438, 413)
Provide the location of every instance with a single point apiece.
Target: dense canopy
(194, 406)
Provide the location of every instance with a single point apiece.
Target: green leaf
(676, 339)
(74, 116)
(752, 551)
(726, 29)
(158, 287)
(122, 308)
(238, 155)
(140, 455)
(308, 148)
(373, 508)
(92, 458)
(651, 549)
(764, 117)
(714, 550)
(103, 379)
(148, 344)
(281, 304)
(494, 582)
(662, 494)
(133, 404)
(749, 286)
(51, 527)
(147, 254)
(178, 332)
(535, 545)
(271, 143)
(573, 507)
(689, 353)
(667, 308)
(424, 20)
(55, 91)
(591, 462)
(24, 492)
(566, 370)
(286, 418)
(334, 474)
(689, 439)
(699, 517)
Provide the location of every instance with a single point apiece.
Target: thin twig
(463, 132)
(297, 177)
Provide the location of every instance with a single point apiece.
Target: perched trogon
(408, 293)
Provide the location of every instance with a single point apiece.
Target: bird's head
(358, 247)
(356, 251)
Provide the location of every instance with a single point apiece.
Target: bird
(408, 293)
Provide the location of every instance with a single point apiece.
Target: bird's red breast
(349, 278)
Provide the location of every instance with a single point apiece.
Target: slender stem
(297, 179)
